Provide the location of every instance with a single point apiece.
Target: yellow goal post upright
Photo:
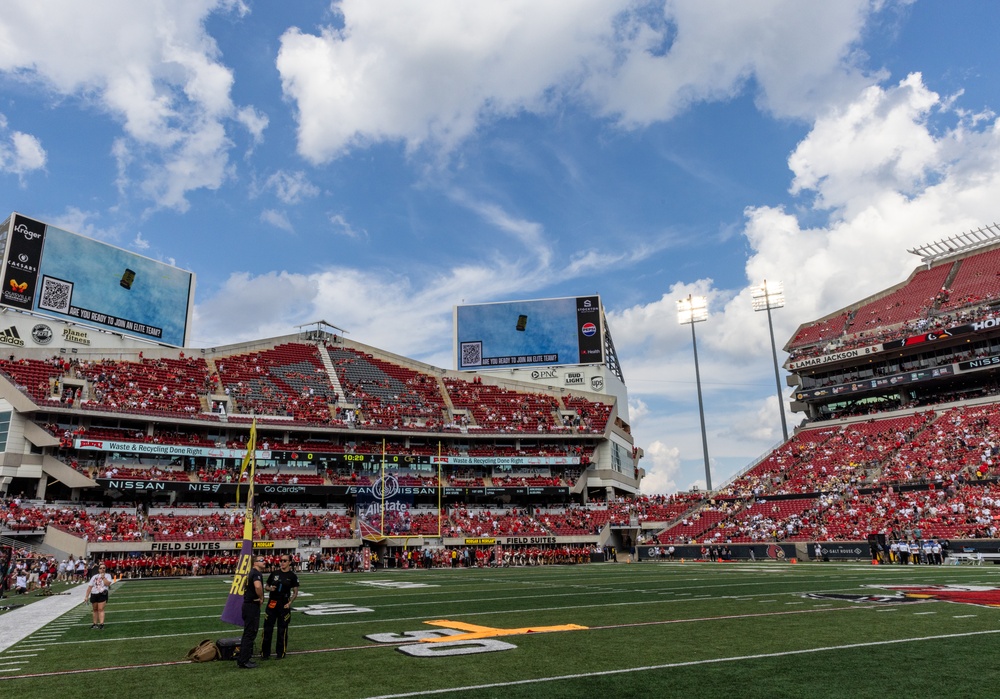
(386, 493)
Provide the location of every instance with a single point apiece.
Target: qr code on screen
(472, 354)
(55, 295)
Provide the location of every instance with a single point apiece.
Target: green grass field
(653, 630)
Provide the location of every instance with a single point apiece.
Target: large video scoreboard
(513, 334)
(52, 272)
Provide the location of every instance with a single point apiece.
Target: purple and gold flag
(233, 611)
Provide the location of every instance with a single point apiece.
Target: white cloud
(430, 73)
(27, 153)
(278, 219)
(342, 226)
(886, 196)
(20, 153)
(662, 464)
(150, 65)
(878, 143)
(416, 72)
(254, 121)
(291, 187)
(76, 220)
(140, 243)
(798, 54)
(530, 234)
(874, 199)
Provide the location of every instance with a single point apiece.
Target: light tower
(766, 296)
(694, 309)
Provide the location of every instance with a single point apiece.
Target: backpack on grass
(204, 652)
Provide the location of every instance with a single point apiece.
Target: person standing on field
(253, 599)
(283, 587)
(97, 595)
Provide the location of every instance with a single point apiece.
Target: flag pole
(233, 611)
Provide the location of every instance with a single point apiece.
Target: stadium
(486, 506)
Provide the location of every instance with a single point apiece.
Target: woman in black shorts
(97, 594)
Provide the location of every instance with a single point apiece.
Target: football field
(602, 630)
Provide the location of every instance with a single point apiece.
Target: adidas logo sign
(10, 336)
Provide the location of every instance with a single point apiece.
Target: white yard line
(691, 663)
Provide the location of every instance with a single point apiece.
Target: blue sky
(375, 163)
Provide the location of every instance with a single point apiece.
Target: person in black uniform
(253, 599)
(283, 586)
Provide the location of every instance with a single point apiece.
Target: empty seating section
(977, 281)
(428, 523)
(288, 380)
(293, 478)
(98, 526)
(263, 476)
(668, 509)
(692, 527)
(412, 522)
(497, 409)
(207, 527)
(388, 394)
(526, 481)
(484, 522)
(144, 474)
(593, 416)
(352, 478)
(309, 446)
(32, 376)
(822, 331)
(291, 524)
(146, 386)
(909, 302)
(574, 521)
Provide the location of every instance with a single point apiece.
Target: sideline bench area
(976, 558)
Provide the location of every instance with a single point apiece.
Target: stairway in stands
(331, 371)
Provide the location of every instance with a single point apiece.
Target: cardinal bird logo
(979, 595)
(18, 288)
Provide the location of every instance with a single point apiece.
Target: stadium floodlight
(694, 309)
(765, 297)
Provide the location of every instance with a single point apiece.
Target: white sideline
(18, 624)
